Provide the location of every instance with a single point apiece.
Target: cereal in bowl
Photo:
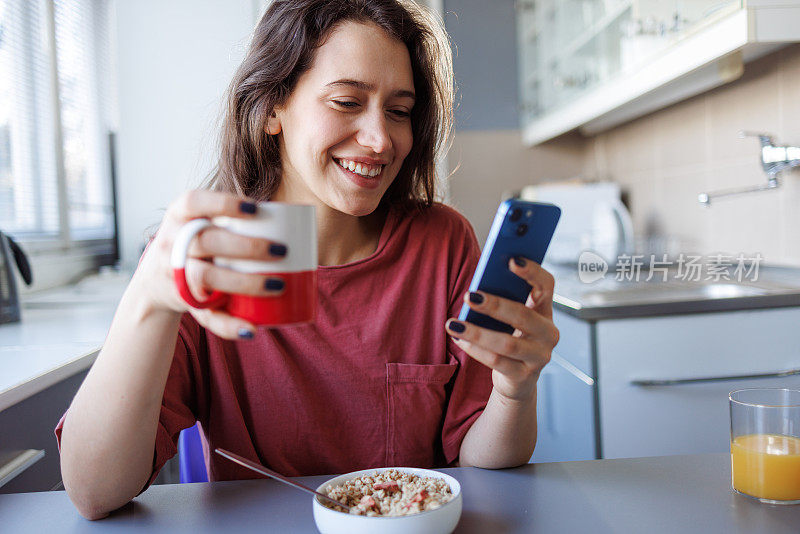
(390, 493)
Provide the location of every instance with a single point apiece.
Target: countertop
(60, 334)
(610, 298)
(656, 495)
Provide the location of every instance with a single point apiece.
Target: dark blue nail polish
(520, 261)
(244, 333)
(457, 327)
(476, 298)
(247, 207)
(273, 284)
(277, 250)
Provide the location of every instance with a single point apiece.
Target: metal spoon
(258, 468)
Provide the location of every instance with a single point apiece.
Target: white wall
(175, 60)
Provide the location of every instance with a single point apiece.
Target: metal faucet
(774, 160)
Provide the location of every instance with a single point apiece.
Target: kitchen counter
(60, 334)
(608, 298)
(659, 494)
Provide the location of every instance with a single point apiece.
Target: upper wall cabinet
(594, 64)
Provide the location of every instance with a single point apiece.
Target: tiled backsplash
(665, 159)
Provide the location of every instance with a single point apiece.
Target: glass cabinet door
(567, 47)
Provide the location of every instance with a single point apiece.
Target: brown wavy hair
(282, 49)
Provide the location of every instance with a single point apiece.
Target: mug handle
(180, 249)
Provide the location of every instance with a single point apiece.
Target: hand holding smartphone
(520, 229)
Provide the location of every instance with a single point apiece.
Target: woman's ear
(273, 126)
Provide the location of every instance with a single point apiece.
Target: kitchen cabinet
(593, 64)
(566, 391)
(28, 426)
(659, 385)
(565, 419)
(664, 381)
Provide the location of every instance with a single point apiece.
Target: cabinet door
(649, 405)
(29, 425)
(565, 414)
(575, 342)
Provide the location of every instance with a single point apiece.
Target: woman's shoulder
(436, 229)
(443, 219)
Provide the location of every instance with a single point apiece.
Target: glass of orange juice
(765, 444)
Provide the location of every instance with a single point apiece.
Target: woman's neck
(341, 238)
(344, 238)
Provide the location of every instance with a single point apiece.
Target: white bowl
(442, 520)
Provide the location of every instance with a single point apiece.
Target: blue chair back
(190, 456)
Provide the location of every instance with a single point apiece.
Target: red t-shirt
(375, 381)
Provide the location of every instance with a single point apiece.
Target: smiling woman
(343, 105)
(287, 44)
(346, 129)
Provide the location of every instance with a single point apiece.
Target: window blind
(28, 174)
(56, 112)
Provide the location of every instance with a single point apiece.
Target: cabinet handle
(18, 464)
(679, 381)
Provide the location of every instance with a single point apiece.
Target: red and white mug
(291, 224)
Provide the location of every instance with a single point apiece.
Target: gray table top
(661, 494)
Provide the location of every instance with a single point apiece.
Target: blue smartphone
(520, 228)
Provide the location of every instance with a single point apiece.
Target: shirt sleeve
(472, 383)
(179, 407)
(179, 404)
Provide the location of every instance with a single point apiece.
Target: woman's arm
(108, 437)
(109, 433)
(505, 433)
(503, 436)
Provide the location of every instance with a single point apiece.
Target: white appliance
(592, 218)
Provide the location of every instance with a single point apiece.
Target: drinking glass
(765, 444)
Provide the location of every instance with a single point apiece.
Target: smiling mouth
(362, 169)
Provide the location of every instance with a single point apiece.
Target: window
(56, 118)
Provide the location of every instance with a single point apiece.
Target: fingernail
(476, 298)
(247, 207)
(277, 250)
(244, 333)
(520, 261)
(457, 327)
(274, 284)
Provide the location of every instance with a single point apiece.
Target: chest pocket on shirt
(417, 400)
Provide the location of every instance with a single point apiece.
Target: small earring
(273, 126)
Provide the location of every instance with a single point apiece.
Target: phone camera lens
(516, 213)
(521, 229)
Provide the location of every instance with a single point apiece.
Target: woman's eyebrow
(364, 86)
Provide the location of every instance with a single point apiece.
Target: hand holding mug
(154, 279)
(293, 276)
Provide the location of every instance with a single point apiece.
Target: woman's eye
(346, 103)
(401, 113)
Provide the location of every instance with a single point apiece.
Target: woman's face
(346, 128)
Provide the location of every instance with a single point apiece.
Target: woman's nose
(374, 134)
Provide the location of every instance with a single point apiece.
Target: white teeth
(358, 168)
